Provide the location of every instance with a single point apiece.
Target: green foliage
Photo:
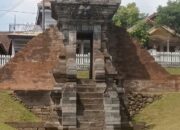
(127, 16)
(170, 15)
(140, 31)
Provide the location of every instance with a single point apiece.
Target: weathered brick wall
(38, 102)
(137, 101)
(31, 68)
(31, 126)
(151, 85)
(136, 66)
(130, 59)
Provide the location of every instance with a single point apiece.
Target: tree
(170, 15)
(127, 16)
(140, 31)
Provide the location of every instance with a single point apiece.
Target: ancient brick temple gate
(73, 76)
(84, 25)
(91, 104)
(70, 82)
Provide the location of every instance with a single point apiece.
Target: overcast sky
(7, 17)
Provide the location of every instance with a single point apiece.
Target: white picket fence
(25, 28)
(4, 59)
(83, 61)
(167, 59)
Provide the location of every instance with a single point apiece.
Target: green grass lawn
(83, 74)
(12, 111)
(173, 71)
(5, 127)
(163, 114)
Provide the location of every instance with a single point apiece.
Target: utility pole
(168, 45)
(43, 15)
(14, 27)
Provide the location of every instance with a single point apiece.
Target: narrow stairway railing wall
(112, 104)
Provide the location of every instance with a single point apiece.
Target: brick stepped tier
(90, 108)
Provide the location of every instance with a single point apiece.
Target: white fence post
(168, 59)
(4, 59)
(83, 61)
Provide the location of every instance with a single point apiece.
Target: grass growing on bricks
(13, 111)
(163, 114)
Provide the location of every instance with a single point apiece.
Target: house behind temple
(20, 34)
(162, 38)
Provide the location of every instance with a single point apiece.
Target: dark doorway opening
(85, 47)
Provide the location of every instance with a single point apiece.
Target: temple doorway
(84, 55)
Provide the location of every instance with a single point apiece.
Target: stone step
(91, 100)
(95, 119)
(92, 107)
(116, 128)
(90, 89)
(86, 89)
(91, 114)
(90, 128)
(90, 124)
(90, 95)
(86, 82)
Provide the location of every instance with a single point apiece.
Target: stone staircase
(90, 108)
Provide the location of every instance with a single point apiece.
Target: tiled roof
(31, 68)
(171, 31)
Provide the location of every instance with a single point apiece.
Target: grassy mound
(173, 71)
(13, 111)
(5, 127)
(163, 114)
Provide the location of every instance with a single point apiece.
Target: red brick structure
(131, 59)
(44, 73)
(31, 68)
